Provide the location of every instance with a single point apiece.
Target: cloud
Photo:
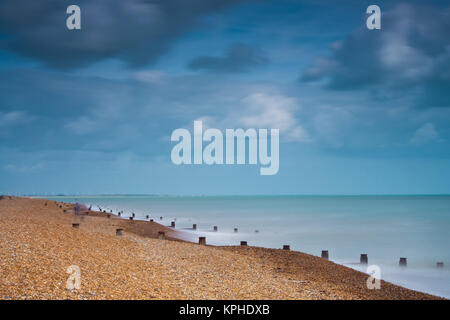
(425, 134)
(13, 118)
(411, 53)
(151, 76)
(135, 31)
(273, 111)
(261, 111)
(238, 58)
(24, 169)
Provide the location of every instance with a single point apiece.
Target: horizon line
(234, 195)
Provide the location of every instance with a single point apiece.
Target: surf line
(213, 152)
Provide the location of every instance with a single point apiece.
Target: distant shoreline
(236, 195)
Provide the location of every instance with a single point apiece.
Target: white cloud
(425, 134)
(260, 110)
(151, 76)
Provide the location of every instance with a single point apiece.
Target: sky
(91, 111)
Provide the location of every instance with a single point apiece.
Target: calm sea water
(384, 227)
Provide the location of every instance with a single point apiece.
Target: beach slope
(39, 249)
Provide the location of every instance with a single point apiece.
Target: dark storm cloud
(410, 53)
(135, 31)
(238, 58)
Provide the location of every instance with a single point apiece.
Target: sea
(385, 228)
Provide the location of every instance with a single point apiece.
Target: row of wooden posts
(363, 259)
(194, 227)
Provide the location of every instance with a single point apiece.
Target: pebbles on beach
(38, 245)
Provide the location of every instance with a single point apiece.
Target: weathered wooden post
(194, 226)
(119, 232)
(325, 254)
(402, 262)
(215, 228)
(76, 225)
(244, 243)
(161, 235)
(286, 247)
(202, 240)
(363, 259)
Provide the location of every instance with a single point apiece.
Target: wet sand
(38, 244)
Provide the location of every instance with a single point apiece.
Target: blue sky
(91, 112)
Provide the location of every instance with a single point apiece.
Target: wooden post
(325, 254)
(172, 224)
(363, 259)
(161, 235)
(202, 240)
(194, 226)
(286, 247)
(440, 264)
(402, 262)
(235, 230)
(76, 225)
(243, 243)
(215, 228)
(119, 232)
